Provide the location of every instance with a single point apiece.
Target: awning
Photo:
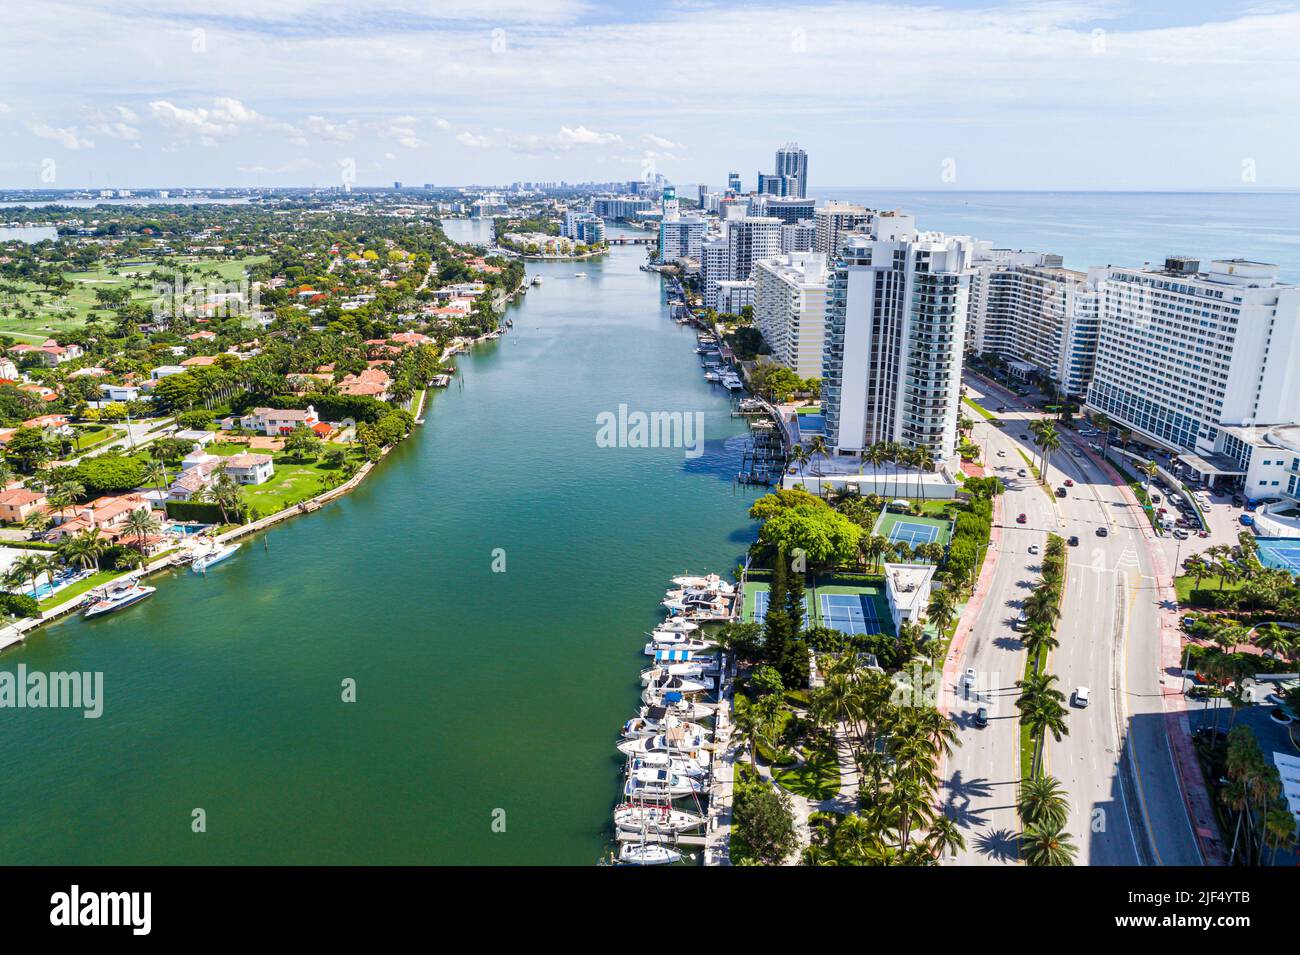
(1216, 464)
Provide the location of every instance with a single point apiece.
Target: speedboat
(650, 854)
(116, 598)
(678, 626)
(691, 671)
(679, 706)
(639, 817)
(712, 376)
(688, 645)
(216, 555)
(660, 782)
(698, 607)
(667, 657)
(711, 582)
(662, 636)
(675, 740)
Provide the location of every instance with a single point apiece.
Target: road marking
(1131, 593)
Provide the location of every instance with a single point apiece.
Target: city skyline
(960, 96)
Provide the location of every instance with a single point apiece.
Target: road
(1115, 763)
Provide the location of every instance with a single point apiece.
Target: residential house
(250, 468)
(16, 505)
(277, 421)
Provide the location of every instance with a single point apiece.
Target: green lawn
(981, 410)
(97, 579)
(294, 481)
(1183, 586)
(817, 778)
(34, 313)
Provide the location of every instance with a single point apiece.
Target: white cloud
(442, 124)
(66, 136)
(5, 108)
(330, 131)
(227, 117)
(116, 123)
(469, 139)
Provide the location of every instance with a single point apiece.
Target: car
(1024, 437)
(1002, 407)
(1022, 473)
(1033, 548)
(1074, 540)
(1247, 520)
(1202, 533)
(1155, 498)
(1021, 518)
(982, 716)
(1076, 452)
(1080, 696)
(1060, 492)
(968, 678)
(1002, 454)
(1181, 534)
(1021, 619)
(1102, 532)
(1069, 482)
(1095, 447)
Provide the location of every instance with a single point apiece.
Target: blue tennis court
(1280, 552)
(760, 607)
(913, 533)
(849, 613)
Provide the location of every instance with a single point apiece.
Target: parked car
(1060, 492)
(1074, 540)
(1033, 548)
(1181, 534)
(1247, 520)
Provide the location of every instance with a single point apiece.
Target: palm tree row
(919, 460)
(1040, 703)
(1043, 811)
(82, 550)
(1047, 440)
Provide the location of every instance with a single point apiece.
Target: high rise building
(680, 238)
(792, 165)
(1185, 354)
(733, 183)
(749, 240)
(834, 221)
(620, 207)
(895, 331)
(715, 267)
(790, 309)
(1040, 318)
(584, 227)
(785, 208)
(797, 237)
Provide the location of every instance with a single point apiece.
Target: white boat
(712, 376)
(655, 692)
(638, 817)
(647, 854)
(659, 721)
(216, 555)
(688, 645)
(671, 741)
(579, 275)
(689, 671)
(663, 637)
(537, 280)
(678, 763)
(707, 582)
(699, 607)
(680, 707)
(115, 598)
(678, 626)
(660, 782)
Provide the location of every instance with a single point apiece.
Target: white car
(1033, 548)
(1080, 696)
(1002, 454)
(968, 678)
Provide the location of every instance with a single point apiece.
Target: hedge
(200, 512)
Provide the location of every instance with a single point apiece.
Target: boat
(216, 555)
(680, 764)
(672, 741)
(660, 782)
(712, 376)
(638, 817)
(691, 646)
(678, 626)
(709, 582)
(113, 598)
(664, 637)
(699, 606)
(679, 706)
(665, 656)
(654, 692)
(647, 853)
(687, 671)
(579, 275)
(659, 720)
(537, 280)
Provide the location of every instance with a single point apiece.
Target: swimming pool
(186, 529)
(1281, 552)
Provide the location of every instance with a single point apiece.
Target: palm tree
(799, 455)
(1198, 568)
(1101, 421)
(129, 560)
(85, 549)
(142, 524)
(155, 474)
(877, 455)
(817, 448)
(1148, 468)
(1042, 800)
(873, 548)
(942, 609)
(1047, 844)
(1048, 440)
(924, 461)
(28, 567)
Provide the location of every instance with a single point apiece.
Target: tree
(1043, 800)
(303, 444)
(84, 548)
(762, 824)
(142, 524)
(1046, 844)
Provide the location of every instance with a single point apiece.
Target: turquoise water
(476, 691)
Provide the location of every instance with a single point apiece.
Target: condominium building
(749, 240)
(621, 207)
(895, 331)
(792, 166)
(714, 268)
(797, 237)
(788, 209)
(1037, 316)
(1183, 354)
(733, 296)
(836, 220)
(680, 238)
(790, 310)
(583, 227)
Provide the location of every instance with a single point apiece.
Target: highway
(1115, 763)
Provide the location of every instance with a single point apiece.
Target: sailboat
(647, 854)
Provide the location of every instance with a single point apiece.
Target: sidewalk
(1196, 795)
(970, 611)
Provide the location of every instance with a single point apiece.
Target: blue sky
(1067, 94)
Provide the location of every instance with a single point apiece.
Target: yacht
(115, 597)
(537, 280)
(659, 720)
(648, 853)
(708, 582)
(690, 646)
(660, 782)
(664, 637)
(215, 555)
(657, 691)
(640, 817)
(678, 706)
(712, 376)
(579, 275)
(687, 671)
(677, 763)
(675, 740)
(678, 626)
(672, 656)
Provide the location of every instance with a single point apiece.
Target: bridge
(632, 240)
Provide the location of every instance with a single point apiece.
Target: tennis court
(912, 530)
(1280, 552)
(849, 613)
(912, 533)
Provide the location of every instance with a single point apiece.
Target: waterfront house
(103, 514)
(199, 361)
(278, 421)
(372, 382)
(250, 468)
(17, 504)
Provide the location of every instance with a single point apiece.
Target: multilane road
(1115, 763)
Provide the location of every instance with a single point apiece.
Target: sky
(952, 94)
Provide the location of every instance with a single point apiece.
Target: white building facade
(790, 309)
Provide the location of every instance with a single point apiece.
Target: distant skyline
(960, 95)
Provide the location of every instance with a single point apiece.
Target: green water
(477, 691)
